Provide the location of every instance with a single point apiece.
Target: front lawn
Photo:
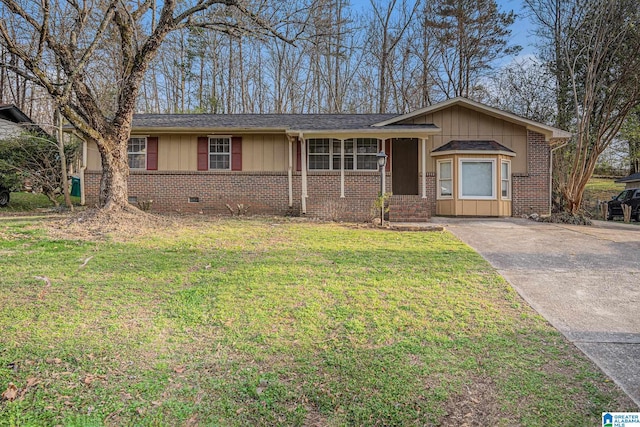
(23, 202)
(275, 322)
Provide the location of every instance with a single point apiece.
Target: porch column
(424, 167)
(341, 168)
(384, 172)
(303, 169)
(290, 172)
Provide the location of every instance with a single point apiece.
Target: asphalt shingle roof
(473, 146)
(631, 178)
(267, 121)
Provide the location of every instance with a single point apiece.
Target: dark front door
(404, 175)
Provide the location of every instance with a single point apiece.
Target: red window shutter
(152, 153)
(298, 157)
(236, 153)
(387, 149)
(203, 153)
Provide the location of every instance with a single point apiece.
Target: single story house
(631, 181)
(456, 158)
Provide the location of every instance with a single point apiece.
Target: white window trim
(439, 194)
(356, 154)
(493, 178)
(209, 153)
(508, 163)
(343, 156)
(138, 152)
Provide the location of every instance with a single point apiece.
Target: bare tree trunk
(63, 162)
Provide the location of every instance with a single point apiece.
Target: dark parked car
(4, 196)
(630, 196)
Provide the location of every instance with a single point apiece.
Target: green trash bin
(75, 186)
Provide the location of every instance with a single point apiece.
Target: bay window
(445, 179)
(505, 179)
(477, 179)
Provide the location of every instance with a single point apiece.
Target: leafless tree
(72, 35)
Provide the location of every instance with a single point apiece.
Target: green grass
(30, 202)
(602, 189)
(270, 322)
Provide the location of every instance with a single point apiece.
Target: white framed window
(505, 179)
(137, 152)
(320, 152)
(366, 154)
(477, 179)
(220, 152)
(445, 179)
(359, 154)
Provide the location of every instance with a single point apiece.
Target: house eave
(364, 133)
(204, 130)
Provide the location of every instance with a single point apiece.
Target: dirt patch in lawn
(476, 405)
(97, 224)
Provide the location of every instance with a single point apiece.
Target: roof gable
(548, 131)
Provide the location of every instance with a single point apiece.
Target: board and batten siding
(460, 123)
(260, 153)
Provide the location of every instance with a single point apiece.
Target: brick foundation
(264, 193)
(531, 190)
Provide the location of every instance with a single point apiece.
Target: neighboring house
(458, 158)
(631, 181)
(13, 122)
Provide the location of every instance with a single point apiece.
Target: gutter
(83, 167)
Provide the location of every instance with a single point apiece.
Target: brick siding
(531, 190)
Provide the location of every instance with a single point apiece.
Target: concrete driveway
(584, 280)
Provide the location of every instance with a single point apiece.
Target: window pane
(477, 179)
(318, 162)
(446, 187)
(445, 170)
(506, 179)
(348, 162)
(367, 145)
(137, 161)
(318, 146)
(367, 162)
(348, 145)
(219, 161)
(336, 162)
(219, 145)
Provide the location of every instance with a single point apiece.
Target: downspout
(424, 168)
(83, 167)
(290, 172)
(342, 168)
(551, 173)
(303, 160)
